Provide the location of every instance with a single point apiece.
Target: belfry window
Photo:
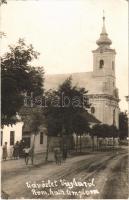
(101, 64)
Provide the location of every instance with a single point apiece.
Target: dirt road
(94, 176)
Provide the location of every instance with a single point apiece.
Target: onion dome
(103, 40)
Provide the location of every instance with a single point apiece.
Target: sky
(64, 32)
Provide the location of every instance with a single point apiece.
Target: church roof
(90, 118)
(81, 79)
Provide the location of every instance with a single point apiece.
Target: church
(100, 83)
(102, 93)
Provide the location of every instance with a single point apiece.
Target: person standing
(5, 153)
(16, 151)
(21, 147)
(26, 154)
(58, 155)
(31, 154)
(64, 154)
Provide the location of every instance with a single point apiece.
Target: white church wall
(117, 117)
(108, 57)
(104, 110)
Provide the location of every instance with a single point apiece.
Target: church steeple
(103, 28)
(104, 56)
(104, 41)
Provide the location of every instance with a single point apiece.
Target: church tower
(104, 56)
(105, 100)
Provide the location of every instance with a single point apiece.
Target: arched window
(101, 64)
(113, 65)
(92, 110)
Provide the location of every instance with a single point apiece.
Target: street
(95, 175)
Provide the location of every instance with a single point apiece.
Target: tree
(80, 127)
(37, 120)
(123, 125)
(62, 107)
(91, 131)
(2, 33)
(113, 133)
(96, 131)
(53, 129)
(3, 2)
(104, 130)
(18, 77)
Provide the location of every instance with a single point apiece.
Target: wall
(17, 128)
(39, 148)
(104, 110)
(108, 57)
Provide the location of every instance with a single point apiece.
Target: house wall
(39, 148)
(17, 128)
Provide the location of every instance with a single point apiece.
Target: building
(28, 134)
(102, 93)
(11, 134)
(21, 131)
(100, 83)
